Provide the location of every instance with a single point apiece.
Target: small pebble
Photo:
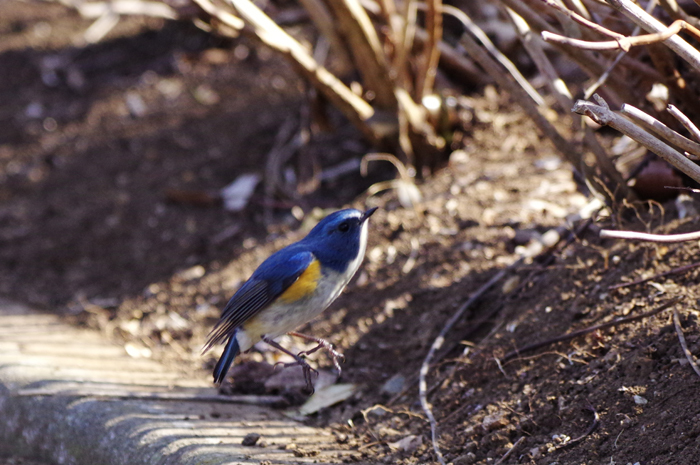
(250, 439)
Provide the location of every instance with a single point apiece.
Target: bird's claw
(323, 344)
(306, 368)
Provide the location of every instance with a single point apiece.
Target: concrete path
(70, 397)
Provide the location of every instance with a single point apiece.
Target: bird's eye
(344, 226)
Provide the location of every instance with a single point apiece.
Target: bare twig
(510, 451)
(676, 12)
(646, 237)
(521, 97)
(544, 65)
(651, 24)
(404, 29)
(602, 114)
(438, 342)
(685, 121)
(583, 21)
(488, 45)
(683, 188)
(352, 106)
(291, 136)
(125, 7)
(623, 43)
(680, 269)
(101, 27)
(534, 18)
(364, 45)
(661, 129)
(603, 77)
(592, 64)
(454, 60)
(593, 427)
(433, 25)
(684, 345)
(590, 329)
(564, 98)
(323, 20)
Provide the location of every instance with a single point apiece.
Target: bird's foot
(305, 367)
(298, 361)
(322, 344)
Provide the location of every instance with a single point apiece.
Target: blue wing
(268, 282)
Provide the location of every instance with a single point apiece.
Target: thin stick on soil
(646, 237)
(510, 451)
(590, 329)
(437, 343)
(594, 425)
(684, 345)
(542, 258)
(680, 269)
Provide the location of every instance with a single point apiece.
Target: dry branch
(685, 121)
(353, 107)
(427, 69)
(681, 338)
(126, 7)
(646, 237)
(323, 20)
(622, 42)
(495, 53)
(522, 98)
(510, 451)
(602, 115)
(583, 21)
(651, 24)
(565, 100)
(661, 129)
(364, 45)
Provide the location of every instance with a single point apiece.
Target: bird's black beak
(367, 214)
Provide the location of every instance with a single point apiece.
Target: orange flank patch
(304, 285)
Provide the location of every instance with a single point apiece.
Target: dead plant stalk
(602, 115)
(623, 42)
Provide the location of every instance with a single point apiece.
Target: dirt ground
(111, 156)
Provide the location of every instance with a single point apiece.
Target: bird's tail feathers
(224, 363)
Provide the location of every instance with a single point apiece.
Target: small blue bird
(294, 285)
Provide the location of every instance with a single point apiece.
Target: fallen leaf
(327, 396)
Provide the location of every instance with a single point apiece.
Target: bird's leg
(299, 360)
(322, 344)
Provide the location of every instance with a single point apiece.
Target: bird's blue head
(340, 239)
